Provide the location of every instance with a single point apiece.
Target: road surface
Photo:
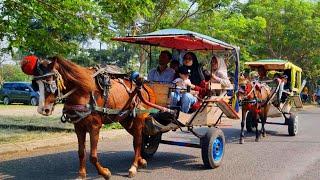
(277, 156)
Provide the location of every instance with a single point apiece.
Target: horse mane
(76, 75)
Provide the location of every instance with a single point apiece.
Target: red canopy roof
(177, 39)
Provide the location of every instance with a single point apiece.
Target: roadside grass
(9, 135)
(19, 123)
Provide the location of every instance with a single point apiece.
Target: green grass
(34, 121)
(112, 126)
(9, 135)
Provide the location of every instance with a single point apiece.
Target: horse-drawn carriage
(212, 108)
(285, 96)
(95, 96)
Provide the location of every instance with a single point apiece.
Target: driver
(162, 73)
(262, 73)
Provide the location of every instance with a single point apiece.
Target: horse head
(245, 88)
(57, 79)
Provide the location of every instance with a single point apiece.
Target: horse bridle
(53, 86)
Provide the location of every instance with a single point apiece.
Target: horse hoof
(264, 134)
(241, 141)
(82, 175)
(105, 173)
(257, 140)
(132, 171)
(143, 163)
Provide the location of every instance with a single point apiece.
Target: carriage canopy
(279, 64)
(178, 39)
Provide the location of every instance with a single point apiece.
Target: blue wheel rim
(217, 149)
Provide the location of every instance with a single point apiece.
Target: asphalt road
(277, 156)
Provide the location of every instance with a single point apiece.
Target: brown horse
(255, 99)
(80, 89)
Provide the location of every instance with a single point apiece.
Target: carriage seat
(220, 94)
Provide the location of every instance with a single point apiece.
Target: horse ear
(52, 63)
(45, 66)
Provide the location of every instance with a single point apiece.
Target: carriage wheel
(293, 124)
(212, 148)
(249, 121)
(150, 145)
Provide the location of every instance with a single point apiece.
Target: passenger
(305, 94)
(197, 83)
(181, 85)
(284, 92)
(219, 72)
(174, 64)
(162, 73)
(262, 73)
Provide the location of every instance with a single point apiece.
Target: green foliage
(292, 32)
(122, 55)
(287, 29)
(13, 73)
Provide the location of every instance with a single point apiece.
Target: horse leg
(94, 138)
(263, 121)
(263, 131)
(81, 135)
(137, 142)
(242, 125)
(255, 119)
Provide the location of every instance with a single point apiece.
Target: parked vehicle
(18, 92)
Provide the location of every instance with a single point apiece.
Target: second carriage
(290, 93)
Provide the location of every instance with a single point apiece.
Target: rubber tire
(34, 101)
(150, 145)
(207, 150)
(249, 122)
(6, 100)
(293, 124)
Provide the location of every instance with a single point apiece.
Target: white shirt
(181, 84)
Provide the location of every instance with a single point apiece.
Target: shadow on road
(65, 165)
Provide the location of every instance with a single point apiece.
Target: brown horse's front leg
(255, 121)
(264, 117)
(244, 111)
(94, 138)
(81, 134)
(137, 142)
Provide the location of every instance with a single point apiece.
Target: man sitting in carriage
(162, 73)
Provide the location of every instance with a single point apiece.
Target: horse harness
(76, 113)
(256, 101)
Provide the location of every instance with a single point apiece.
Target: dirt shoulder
(23, 129)
(59, 140)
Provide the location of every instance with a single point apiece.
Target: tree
(13, 73)
(292, 32)
(50, 27)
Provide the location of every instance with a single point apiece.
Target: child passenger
(181, 85)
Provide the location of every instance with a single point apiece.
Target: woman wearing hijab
(197, 82)
(219, 72)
